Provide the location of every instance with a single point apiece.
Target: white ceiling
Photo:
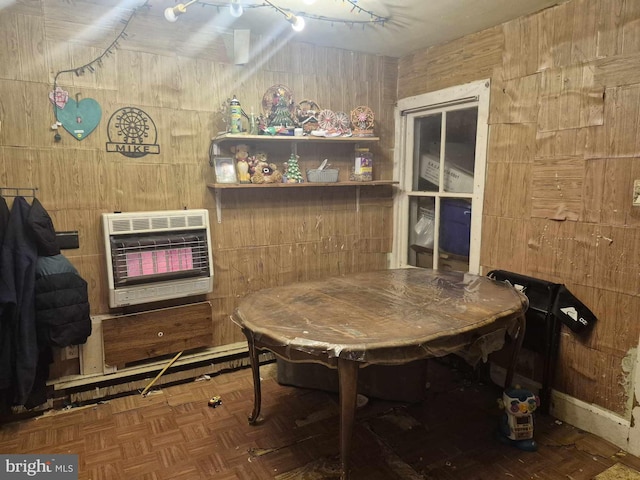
(412, 24)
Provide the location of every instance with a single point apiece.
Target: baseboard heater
(154, 256)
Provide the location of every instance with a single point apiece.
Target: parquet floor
(173, 434)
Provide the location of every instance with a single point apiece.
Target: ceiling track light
(171, 14)
(297, 22)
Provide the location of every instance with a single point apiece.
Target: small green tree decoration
(294, 175)
(280, 113)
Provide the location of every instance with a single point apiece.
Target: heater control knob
(160, 334)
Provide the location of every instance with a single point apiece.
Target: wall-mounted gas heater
(154, 256)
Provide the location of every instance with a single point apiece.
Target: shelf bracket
(358, 199)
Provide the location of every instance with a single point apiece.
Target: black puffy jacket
(62, 305)
(61, 297)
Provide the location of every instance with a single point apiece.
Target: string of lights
(237, 8)
(97, 62)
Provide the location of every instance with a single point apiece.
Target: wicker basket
(328, 175)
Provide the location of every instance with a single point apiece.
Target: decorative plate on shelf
(273, 95)
(326, 119)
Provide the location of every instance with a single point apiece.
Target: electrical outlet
(71, 352)
(636, 193)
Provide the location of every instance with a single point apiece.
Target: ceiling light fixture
(297, 22)
(171, 14)
(235, 8)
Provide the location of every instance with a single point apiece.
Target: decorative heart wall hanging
(80, 118)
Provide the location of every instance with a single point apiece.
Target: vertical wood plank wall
(564, 150)
(180, 74)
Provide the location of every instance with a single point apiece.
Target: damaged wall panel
(569, 99)
(512, 143)
(618, 70)
(557, 188)
(509, 238)
(514, 101)
(455, 63)
(592, 191)
(619, 175)
(507, 180)
(564, 149)
(521, 52)
(619, 309)
(619, 135)
(597, 375)
(562, 143)
(553, 252)
(617, 264)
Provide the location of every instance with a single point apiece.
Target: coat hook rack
(18, 192)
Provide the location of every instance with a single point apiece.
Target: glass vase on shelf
(253, 123)
(363, 166)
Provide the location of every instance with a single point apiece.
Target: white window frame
(408, 109)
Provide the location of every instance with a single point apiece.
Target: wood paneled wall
(563, 154)
(180, 74)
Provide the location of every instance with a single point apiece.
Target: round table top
(387, 316)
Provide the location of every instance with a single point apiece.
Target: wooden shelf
(239, 137)
(218, 187)
(229, 186)
(293, 141)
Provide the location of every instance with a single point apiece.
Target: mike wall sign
(132, 133)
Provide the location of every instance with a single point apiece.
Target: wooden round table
(386, 317)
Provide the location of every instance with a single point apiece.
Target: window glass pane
(421, 231)
(426, 164)
(453, 238)
(455, 225)
(459, 154)
(455, 233)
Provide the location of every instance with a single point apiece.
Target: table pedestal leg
(255, 370)
(348, 376)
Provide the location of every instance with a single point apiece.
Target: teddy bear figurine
(256, 159)
(241, 155)
(266, 173)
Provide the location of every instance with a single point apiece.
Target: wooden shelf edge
(230, 186)
(237, 137)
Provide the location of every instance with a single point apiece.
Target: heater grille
(155, 256)
(160, 257)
